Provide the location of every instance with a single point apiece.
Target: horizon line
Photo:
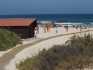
(48, 14)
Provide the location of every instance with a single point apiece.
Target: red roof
(16, 22)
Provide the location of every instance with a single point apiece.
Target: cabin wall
(21, 31)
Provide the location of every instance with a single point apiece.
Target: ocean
(60, 18)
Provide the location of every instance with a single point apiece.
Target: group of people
(80, 26)
(47, 29)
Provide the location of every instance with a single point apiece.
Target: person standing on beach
(67, 28)
(56, 29)
(47, 27)
(37, 28)
(35, 33)
(81, 29)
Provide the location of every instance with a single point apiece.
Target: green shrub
(76, 54)
(87, 40)
(8, 39)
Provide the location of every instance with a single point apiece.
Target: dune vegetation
(8, 39)
(75, 54)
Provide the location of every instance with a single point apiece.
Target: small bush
(8, 39)
(87, 40)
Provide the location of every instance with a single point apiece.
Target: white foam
(69, 23)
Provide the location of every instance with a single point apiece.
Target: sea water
(58, 18)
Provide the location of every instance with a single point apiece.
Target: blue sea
(62, 18)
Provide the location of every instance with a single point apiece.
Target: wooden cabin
(23, 27)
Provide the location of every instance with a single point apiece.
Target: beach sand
(28, 52)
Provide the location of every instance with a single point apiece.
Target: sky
(12, 7)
